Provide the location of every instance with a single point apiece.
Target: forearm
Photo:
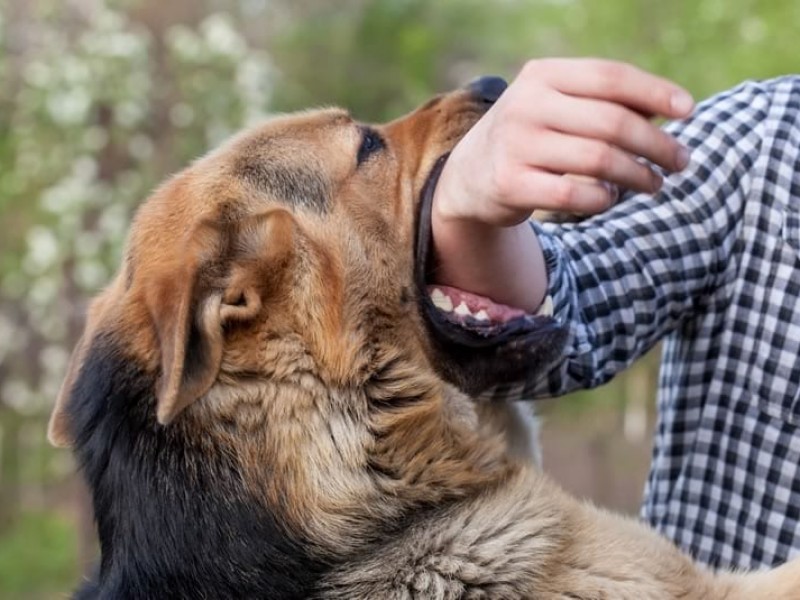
(505, 264)
(622, 280)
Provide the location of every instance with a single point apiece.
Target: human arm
(577, 116)
(622, 280)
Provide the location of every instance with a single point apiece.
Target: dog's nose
(487, 88)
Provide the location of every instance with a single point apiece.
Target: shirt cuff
(560, 294)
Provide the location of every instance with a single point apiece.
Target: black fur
(173, 516)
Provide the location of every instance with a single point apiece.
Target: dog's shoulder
(497, 544)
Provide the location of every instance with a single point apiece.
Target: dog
(268, 401)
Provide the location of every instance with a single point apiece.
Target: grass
(37, 558)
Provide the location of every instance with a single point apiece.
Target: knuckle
(564, 193)
(532, 68)
(599, 159)
(502, 180)
(511, 112)
(537, 68)
(615, 124)
(610, 73)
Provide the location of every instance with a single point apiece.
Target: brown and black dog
(267, 404)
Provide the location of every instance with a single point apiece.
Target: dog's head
(312, 228)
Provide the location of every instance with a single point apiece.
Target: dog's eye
(371, 143)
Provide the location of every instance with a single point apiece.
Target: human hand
(563, 135)
(584, 117)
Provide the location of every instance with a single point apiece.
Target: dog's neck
(331, 469)
(367, 457)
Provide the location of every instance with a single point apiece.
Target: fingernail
(613, 191)
(657, 181)
(682, 158)
(681, 102)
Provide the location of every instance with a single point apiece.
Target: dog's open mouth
(476, 312)
(460, 321)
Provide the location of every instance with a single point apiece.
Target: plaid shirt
(710, 265)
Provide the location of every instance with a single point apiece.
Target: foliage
(44, 542)
(379, 58)
(100, 114)
(99, 108)
(101, 99)
(384, 57)
(707, 45)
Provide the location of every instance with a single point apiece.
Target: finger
(540, 190)
(564, 153)
(617, 125)
(613, 81)
(612, 189)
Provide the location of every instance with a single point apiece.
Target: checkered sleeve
(622, 280)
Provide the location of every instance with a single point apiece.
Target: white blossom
(140, 147)
(221, 36)
(17, 394)
(83, 174)
(69, 107)
(43, 250)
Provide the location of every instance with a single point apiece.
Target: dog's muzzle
(465, 327)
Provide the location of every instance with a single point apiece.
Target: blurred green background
(99, 100)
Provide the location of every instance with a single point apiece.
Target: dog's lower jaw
(473, 353)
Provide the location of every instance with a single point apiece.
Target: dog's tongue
(463, 304)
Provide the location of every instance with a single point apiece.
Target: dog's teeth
(462, 310)
(441, 300)
(546, 309)
(481, 315)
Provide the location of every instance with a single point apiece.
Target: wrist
(505, 264)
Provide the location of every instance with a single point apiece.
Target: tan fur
(294, 267)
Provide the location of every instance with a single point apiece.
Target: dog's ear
(58, 429)
(190, 311)
(224, 274)
(186, 313)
